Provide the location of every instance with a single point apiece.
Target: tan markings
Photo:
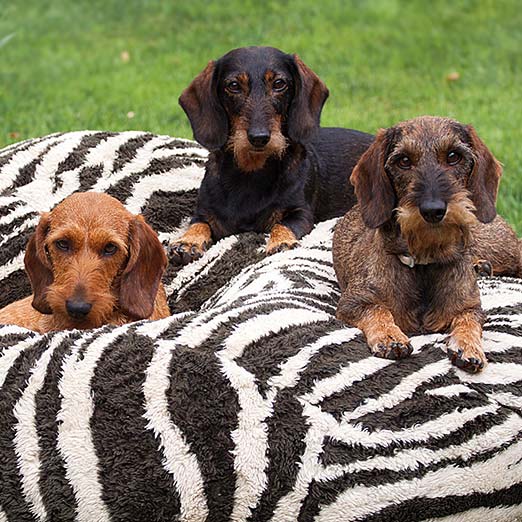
(243, 79)
(440, 242)
(269, 77)
(281, 238)
(379, 328)
(198, 235)
(247, 158)
(466, 335)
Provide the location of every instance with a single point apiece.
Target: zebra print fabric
(252, 402)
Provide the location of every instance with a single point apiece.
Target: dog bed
(252, 402)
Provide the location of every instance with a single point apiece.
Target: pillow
(251, 402)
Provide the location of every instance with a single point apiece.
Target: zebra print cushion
(252, 402)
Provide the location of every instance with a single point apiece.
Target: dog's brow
(451, 141)
(406, 146)
(71, 232)
(100, 237)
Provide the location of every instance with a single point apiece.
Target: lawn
(122, 64)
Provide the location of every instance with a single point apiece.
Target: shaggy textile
(252, 402)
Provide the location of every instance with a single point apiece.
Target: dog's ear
(38, 266)
(142, 275)
(484, 179)
(307, 104)
(372, 185)
(204, 110)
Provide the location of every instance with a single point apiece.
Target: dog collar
(409, 260)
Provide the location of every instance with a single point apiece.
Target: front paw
(192, 245)
(281, 239)
(465, 356)
(391, 348)
(274, 248)
(182, 253)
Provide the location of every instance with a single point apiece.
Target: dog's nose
(77, 309)
(433, 210)
(258, 138)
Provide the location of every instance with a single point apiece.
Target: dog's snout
(258, 137)
(77, 309)
(433, 210)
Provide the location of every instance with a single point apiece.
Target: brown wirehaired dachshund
(91, 262)
(404, 255)
(271, 168)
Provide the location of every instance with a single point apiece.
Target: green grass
(383, 61)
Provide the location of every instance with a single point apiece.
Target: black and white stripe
(252, 402)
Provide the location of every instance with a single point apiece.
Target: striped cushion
(252, 402)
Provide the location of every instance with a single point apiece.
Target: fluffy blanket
(252, 402)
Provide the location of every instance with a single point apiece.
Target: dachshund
(404, 256)
(271, 169)
(90, 262)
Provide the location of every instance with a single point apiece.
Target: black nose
(77, 309)
(433, 210)
(258, 138)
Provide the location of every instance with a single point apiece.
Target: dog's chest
(250, 205)
(422, 304)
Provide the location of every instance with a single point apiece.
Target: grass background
(81, 64)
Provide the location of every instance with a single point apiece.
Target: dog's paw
(465, 356)
(483, 268)
(274, 248)
(281, 239)
(392, 349)
(181, 253)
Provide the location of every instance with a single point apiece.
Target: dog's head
(254, 101)
(90, 257)
(435, 173)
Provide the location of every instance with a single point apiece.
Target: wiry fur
(257, 110)
(441, 242)
(120, 287)
(406, 172)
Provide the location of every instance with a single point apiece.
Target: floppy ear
(373, 188)
(484, 179)
(305, 109)
(38, 266)
(142, 275)
(204, 110)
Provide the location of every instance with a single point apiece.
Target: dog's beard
(439, 242)
(247, 157)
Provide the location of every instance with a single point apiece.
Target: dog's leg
(465, 341)
(192, 245)
(383, 336)
(286, 234)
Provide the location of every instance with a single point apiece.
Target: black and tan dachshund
(271, 168)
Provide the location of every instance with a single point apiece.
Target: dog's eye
(453, 157)
(233, 87)
(404, 162)
(279, 85)
(63, 245)
(109, 249)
